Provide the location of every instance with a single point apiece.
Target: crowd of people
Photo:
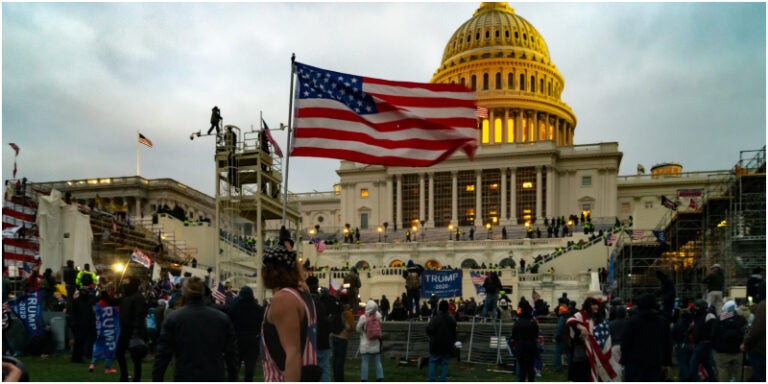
(303, 332)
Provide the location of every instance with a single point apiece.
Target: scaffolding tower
(248, 190)
(728, 229)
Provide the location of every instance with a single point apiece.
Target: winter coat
(366, 345)
(442, 334)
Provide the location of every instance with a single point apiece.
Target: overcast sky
(682, 82)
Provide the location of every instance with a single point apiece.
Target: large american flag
(381, 122)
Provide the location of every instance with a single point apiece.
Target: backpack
(372, 327)
(412, 281)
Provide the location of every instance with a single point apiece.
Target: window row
(497, 34)
(514, 82)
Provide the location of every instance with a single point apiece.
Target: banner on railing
(444, 284)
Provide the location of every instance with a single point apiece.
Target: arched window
(533, 84)
(362, 264)
(485, 81)
(511, 80)
(469, 37)
(497, 33)
(549, 89)
(507, 263)
(506, 34)
(474, 83)
(463, 81)
(432, 264)
(541, 85)
(469, 263)
(396, 264)
(498, 80)
(516, 35)
(477, 36)
(522, 82)
(487, 34)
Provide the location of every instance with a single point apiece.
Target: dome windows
(511, 80)
(485, 81)
(533, 84)
(522, 82)
(516, 35)
(497, 34)
(506, 34)
(498, 80)
(474, 83)
(487, 34)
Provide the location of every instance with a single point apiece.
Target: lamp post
(346, 234)
(488, 229)
(450, 231)
(423, 230)
(385, 225)
(414, 229)
(379, 230)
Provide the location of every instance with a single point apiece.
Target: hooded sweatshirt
(368, 346)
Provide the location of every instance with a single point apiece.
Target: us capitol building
(527, 169)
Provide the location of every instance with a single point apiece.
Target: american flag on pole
(636, 234)
(482, 112)
(144, 140)
(272, 141)
(374, 121)
(139, 257)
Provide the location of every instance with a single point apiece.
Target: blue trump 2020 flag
(29, 309)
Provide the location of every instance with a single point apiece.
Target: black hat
(285, 236)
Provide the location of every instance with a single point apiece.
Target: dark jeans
(339, 347)
(757, 360)
(683, 354)
(702, 354)
(122, 348)
(412, 297)
(526, 371)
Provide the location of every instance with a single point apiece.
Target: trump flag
(380, 122)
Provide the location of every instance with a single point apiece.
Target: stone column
(478, 197)
(431, 205)
(550, 192)
(505, 126)
(491, 126)
(539, 218)
(513, 195)
(535, 126)
(399, 211)
(422, 198)
(454, 198)
(503, 219)
(518, 125)
(390, 204)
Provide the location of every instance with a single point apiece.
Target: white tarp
(78, 236)
(55, 219)
(49, 225)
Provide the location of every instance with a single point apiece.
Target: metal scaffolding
(728, 228)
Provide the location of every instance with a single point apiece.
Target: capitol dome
(502, 56)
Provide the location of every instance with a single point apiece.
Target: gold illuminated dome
(506, 61)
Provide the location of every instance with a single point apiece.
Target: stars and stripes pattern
(217, 290)
(636, 234)
(481, 112)
(139, 257)
(598, 356)
(144, 140)
(382, 122)
(308, 356)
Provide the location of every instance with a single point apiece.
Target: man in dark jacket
(715, 282)
(727, 336)
(201, 339)
(701, 336)
(645, 344)
(246, 315)
(754, 343)
(525, 336)
(442, 339)
(133, 323)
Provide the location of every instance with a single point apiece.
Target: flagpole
(138, 159)
(288, 146)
